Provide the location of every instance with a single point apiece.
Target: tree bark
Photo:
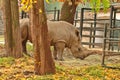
(17, 42)
(12, 29)
(68, 11)
(8, 26)
(44, 63)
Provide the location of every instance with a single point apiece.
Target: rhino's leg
(55, 53)
(24, 46)
(60, 48)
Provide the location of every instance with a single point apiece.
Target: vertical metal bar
(54, 13)
(58, 16)
(81, 21)
(22, 14)
(111, 17)
(90, 35)
(104, 45)
(113, 26)
(94, 33)
(76, 16)
(114, 22)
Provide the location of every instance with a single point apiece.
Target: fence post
(104, 45)
(58, 16)
(81, 21)
(94, 32)
(54, 13)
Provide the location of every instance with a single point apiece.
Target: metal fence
(110, 32)
(93, 26)
(111, 44)
(52, 15)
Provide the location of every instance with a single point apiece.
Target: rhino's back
(60, 31)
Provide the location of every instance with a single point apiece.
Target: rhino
(61, 35)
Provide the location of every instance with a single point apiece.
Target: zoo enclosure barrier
(54, 14)
(92, 27)
(111, 43)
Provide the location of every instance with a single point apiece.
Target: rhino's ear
(77, 33)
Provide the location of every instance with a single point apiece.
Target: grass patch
(47, 77)
(95, 71)
(6, 61)
(29, 47)
(63, 72)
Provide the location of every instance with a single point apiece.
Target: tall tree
(17, 42)
(8, 26)
(68, 11)
(43, 58)
(12, 29)
(69, 7)
(0, 3)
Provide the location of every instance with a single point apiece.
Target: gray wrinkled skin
(61, 35)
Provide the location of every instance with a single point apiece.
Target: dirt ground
(69, 60)
(96, 59)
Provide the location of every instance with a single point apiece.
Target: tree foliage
(26, 5)
(95, 4)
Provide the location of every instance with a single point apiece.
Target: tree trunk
(8, 26)
(17, 42)
(12, 29)
(43, 59)
(0, 4)
(68, 11)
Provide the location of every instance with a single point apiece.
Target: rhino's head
(76, 47)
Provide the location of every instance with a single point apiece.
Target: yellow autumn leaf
(23, 2)
(35, 1)
(31, 1)
(48, 1)
(23, 79)
(40, 11)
